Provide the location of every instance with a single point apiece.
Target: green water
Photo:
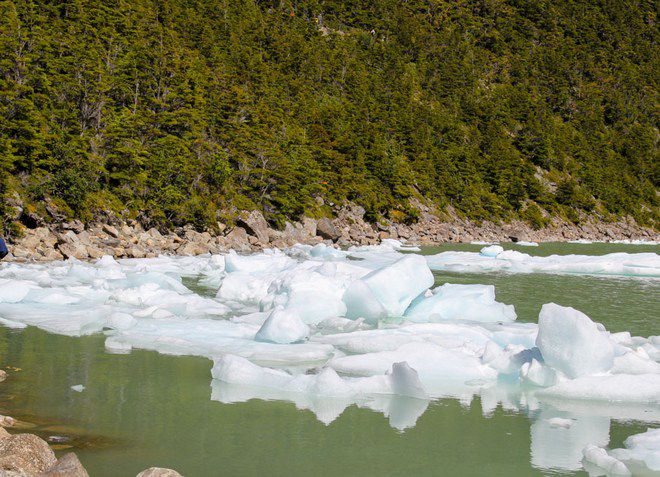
(144, 409)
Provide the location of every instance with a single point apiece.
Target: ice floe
(512, 261)
(326, 329)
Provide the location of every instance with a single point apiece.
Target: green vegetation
(173, 111)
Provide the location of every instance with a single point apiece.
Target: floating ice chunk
(328, 383)
(405, 381)
(641, 388)
(322, 251)
(78, 388)
(560, 422)
(388, 291)
(527, 244)
(244, 288)
(339, 324)
(491, 251)
(537, 374)
(72, 320)
(644, 447)
(314, 291)
(12, 324)
(236, 370)
(508, 360)
(460, 302)
(599, 457)
(282, 326)
(14, 291)
(635, 362)
(120, 321)
(268, 261)
(511, 261)
(431, 362)
(571, 343)
(116, 346)
(400, 379)
(107, 261)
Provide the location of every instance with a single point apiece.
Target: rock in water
(571, 343)
(388, 291)
(158, 472)
(67, 466)
(25, 454)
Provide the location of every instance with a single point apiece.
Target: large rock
(158, 472)
(67, 466)
(26, 454)
(192, 248)
(238, 240)
(255, 224)
(327, 230)
(74, 250)
(309, 225)
(75, 225)
(110, 230)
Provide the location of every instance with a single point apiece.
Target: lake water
(146, 409)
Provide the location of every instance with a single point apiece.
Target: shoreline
(251, 232)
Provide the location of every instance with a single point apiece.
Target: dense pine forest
(180, 111)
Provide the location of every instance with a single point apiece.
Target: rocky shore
(40, 241)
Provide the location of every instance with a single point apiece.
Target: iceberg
(460, 302)
(644, 447)
(282, 326)
(388, 291)
(631, 265)
(491, 251)
(571, 343)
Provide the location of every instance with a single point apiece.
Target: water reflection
(402, 412)
(560, 429)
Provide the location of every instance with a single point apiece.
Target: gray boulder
(326, 229)
(255, 224)
(67, 466)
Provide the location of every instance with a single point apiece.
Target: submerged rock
(67, 466)
(158, 472)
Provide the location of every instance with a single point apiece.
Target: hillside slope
(180, 111)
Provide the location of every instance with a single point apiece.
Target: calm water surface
(144, 409)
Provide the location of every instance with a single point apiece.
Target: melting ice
(327, 329)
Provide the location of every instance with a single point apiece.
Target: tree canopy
(174, 111)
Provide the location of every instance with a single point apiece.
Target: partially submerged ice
(460, 302)
(327, 329)
(388, 291)
(571, 343)
(640, 456)
(495, 259)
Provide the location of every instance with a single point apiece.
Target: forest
(178, 112)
